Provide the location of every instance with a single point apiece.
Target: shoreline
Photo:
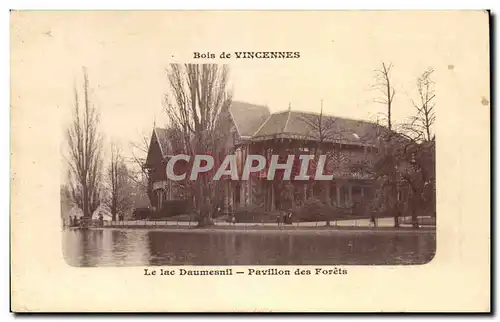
(279, 230)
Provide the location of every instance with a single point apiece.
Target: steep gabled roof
(248, 117)
(162, 136)
(159, 141)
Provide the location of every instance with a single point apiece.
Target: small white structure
(106, 215)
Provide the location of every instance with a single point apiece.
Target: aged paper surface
(57, 268)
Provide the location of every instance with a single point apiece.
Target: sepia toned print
(226, 182)
(185, 161)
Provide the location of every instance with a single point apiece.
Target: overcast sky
(126, 54)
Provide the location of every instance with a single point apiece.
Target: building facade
(350, 147)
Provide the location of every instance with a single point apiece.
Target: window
(344, 195)
(237, 195)
(160, 196)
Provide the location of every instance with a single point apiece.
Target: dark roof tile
(256, 122)
(306, 124)
(248, 117)
(274, 124)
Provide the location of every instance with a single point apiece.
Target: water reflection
(110, 247)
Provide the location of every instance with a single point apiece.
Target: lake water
(143, 247)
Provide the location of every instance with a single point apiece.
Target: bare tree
(386, 167)
(84, 157)
(66, 204)
(417, 154)
(120, 190)
(420, 125)
(419, 177)
(182, 189)
(322, 130)
(327, 132)
(406, 167)
(386, 90)
(140, 150)
(197, 106)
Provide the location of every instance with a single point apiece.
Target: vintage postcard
(242, 161)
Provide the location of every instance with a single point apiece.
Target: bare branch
(422, 123)
(84, 153)
(197, 105)
(383, 85)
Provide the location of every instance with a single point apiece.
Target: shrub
(172, 208)
(313, 209)
(251, 213)
(141, 213)
(330, 213)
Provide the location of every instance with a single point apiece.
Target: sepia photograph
(285, 160)
(252, 184)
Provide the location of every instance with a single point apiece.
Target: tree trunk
(204, 206)
(113, 210)
(85, 201)
(396, 219)
(414, 218)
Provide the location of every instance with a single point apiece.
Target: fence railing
(147, 223)
(363, 222)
